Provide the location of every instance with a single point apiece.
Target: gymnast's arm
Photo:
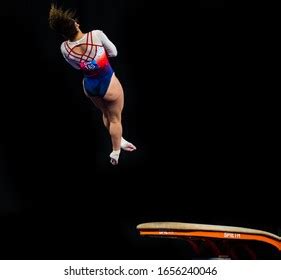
(108, 45)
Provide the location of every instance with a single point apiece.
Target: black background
(215, 4)
(207, 140)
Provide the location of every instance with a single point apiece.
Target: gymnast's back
(93, 46)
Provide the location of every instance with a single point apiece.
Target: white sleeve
(108, 45)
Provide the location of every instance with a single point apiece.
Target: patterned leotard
(93, 62)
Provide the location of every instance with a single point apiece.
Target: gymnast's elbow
(113, 53)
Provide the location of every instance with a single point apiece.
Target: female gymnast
(89, 52)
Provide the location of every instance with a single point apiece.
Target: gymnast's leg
(125, 145)
(99, 103)
(111, 115)
(111, 106)
(114, 102)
